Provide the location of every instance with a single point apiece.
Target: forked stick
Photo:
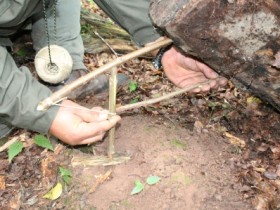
(67, 89)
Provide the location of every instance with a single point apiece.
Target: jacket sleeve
(133, 16)
(19, 97)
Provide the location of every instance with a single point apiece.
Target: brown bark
(239, 39)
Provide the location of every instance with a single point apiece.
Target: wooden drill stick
(112, 109)
(67, 89)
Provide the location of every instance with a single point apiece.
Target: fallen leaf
(198, 126)
(262, 170)
(278, 170)
(42, 141)
(263, 147)
(137, 188)
(252, 99)
(270, 175)
(2, 183)
(277, 60)
(54, 193)
(260, 203)
(14, 150)
(151, 180)
(277, 182)
(235, 140)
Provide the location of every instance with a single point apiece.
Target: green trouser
(19, 91)
(133, 16)
(66, 33)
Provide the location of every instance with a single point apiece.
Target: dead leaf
(278, 170)
(270, 175)
(275, 150)
(2, 183)
(278, 183)
(261, 170)
(198, 126)
(54, 193)
(260, 203)
(235, 140)
(47, 166)
(277, 60)
(253, 100)
(263, 147)
(100, 179)
(58, 149)
(15, 202)
(49, 170)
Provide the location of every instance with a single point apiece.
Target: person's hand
(78, 126)
(184, 71)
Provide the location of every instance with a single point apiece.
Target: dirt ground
(182, 141)
(195, 170)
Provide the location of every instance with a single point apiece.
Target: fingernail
(215, 74)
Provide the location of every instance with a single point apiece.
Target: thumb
(107, 124)
(103, 115)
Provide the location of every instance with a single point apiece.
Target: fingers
(107, 124)
(92, 139)
(94, 131)
(222, 81)
(94, 114)
(81, 126)
(207, 71)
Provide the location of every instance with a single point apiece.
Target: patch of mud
(196, 170)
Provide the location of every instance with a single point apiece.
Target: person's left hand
(184, 71)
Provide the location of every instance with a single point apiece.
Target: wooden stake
(112, 108)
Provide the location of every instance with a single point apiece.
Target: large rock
(238, 38)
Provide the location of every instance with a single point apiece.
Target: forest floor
(216, 150)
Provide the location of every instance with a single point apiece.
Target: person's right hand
(78, 126)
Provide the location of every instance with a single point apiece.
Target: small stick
(99, 180)
(8, 144)
(98, 160)
(112, 109)
(121, 109)
(20, 137)
(67, 89)
(106, 43)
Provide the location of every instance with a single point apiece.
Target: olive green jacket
(19, 91)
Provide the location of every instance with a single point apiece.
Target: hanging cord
(51, 66)
(54, 20)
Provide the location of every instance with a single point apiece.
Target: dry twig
(20, 137)
(121, 109)
(100, 179)
(67, 89)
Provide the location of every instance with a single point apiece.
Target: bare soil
(179, 140)
(195, 170)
